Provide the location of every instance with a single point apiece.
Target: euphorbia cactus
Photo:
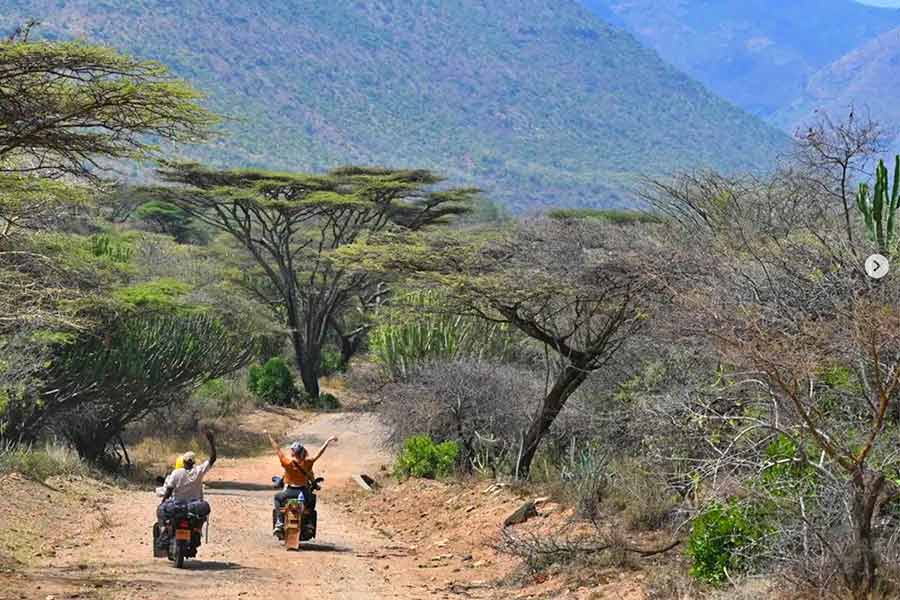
(879, 210)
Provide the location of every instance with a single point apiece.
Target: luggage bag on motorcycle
(157, 551)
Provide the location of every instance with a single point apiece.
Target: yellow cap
(179, 462)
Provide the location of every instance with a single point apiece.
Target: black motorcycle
(298, 527)
(183, 531)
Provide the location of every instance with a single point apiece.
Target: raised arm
(212, 447)
(322, 449)
(282, 458)
(275, 445)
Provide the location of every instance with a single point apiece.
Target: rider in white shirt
(185, 485)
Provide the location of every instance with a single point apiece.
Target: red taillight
(184, 525)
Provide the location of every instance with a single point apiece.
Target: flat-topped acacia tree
(291, 223)
(64, 105)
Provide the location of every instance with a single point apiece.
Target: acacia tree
(291, 223)
(66, 109)
(64, 105)
(580, 288)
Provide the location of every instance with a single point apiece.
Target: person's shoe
(278, 531)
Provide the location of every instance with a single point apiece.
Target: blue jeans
(290, 493)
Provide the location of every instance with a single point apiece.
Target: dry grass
(639, 495)
(41, 463)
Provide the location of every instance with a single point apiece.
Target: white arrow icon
(877, 266)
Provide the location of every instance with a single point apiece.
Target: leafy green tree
(291, 223)
(169, 219)
(68, 108)
(64, 106)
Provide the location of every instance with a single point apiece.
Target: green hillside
(537, 101)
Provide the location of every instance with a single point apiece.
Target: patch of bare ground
(40, 522)
(85, 540)
(453, 530)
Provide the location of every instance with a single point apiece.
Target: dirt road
(242, 559)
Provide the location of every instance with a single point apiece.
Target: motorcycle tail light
(184, 524)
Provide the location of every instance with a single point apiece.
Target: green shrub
(273, 382)
(420, 328)
(784, 474)
(326, 401)
(421, 457)
(721, 539)
(159, 294)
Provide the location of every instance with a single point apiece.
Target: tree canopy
(291, 223)
(66, 107)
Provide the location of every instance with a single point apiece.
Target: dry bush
(575, 544)
(645, 500)
(569, 546)
(666, 583)
(482, 405)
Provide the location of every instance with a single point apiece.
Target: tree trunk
(309, 373)
(308, 363)
(307, 353)
(861, 565)
(349, 342)
(566, 383)
(349, 347)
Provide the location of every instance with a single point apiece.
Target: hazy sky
(892, 3)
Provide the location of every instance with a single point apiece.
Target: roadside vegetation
(717, 370)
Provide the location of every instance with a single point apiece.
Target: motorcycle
(297, 527)
(184, 529)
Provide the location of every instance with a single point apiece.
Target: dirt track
(242, 559)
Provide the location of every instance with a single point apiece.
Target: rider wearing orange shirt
(298, 474)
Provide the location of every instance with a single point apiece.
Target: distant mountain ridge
(537, 101)
(758, 54)
(861, 79)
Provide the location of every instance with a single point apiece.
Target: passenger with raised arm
(298, 475)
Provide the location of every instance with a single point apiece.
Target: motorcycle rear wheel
(180, 551)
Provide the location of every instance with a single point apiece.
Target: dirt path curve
(242, 559)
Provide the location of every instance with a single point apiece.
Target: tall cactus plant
(880, 209)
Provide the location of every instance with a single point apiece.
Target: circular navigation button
(877, 266)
